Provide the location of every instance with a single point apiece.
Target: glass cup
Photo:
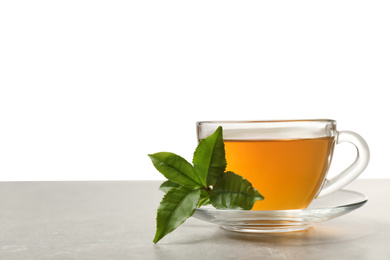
(287, 161)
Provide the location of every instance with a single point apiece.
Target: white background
(89, 88)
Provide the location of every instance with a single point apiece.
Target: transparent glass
(278, 221)
(287, 160)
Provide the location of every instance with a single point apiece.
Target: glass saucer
(277, 221)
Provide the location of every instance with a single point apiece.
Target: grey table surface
(116, 220)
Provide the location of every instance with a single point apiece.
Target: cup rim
(269, 129)
(331, 121)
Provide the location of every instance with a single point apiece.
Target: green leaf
(209, 158)
(204, 198)
(231, 191)
(175, 169)
(167, 185)
(177, 205)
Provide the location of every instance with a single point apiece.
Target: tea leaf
(177, 205)
(167, 185)
(231, 191)
(175, 169)
(189, 187)
(209, 158)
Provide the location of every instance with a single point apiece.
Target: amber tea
(289, 173)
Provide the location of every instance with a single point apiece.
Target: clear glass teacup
(287, 161)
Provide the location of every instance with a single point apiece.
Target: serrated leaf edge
(154, 159)
(257, 196)
(155, 240)
(212, 153)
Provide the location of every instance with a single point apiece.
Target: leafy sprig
(205, 182)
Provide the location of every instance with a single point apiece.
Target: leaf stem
(208, 190)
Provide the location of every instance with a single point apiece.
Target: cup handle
(354, 170)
